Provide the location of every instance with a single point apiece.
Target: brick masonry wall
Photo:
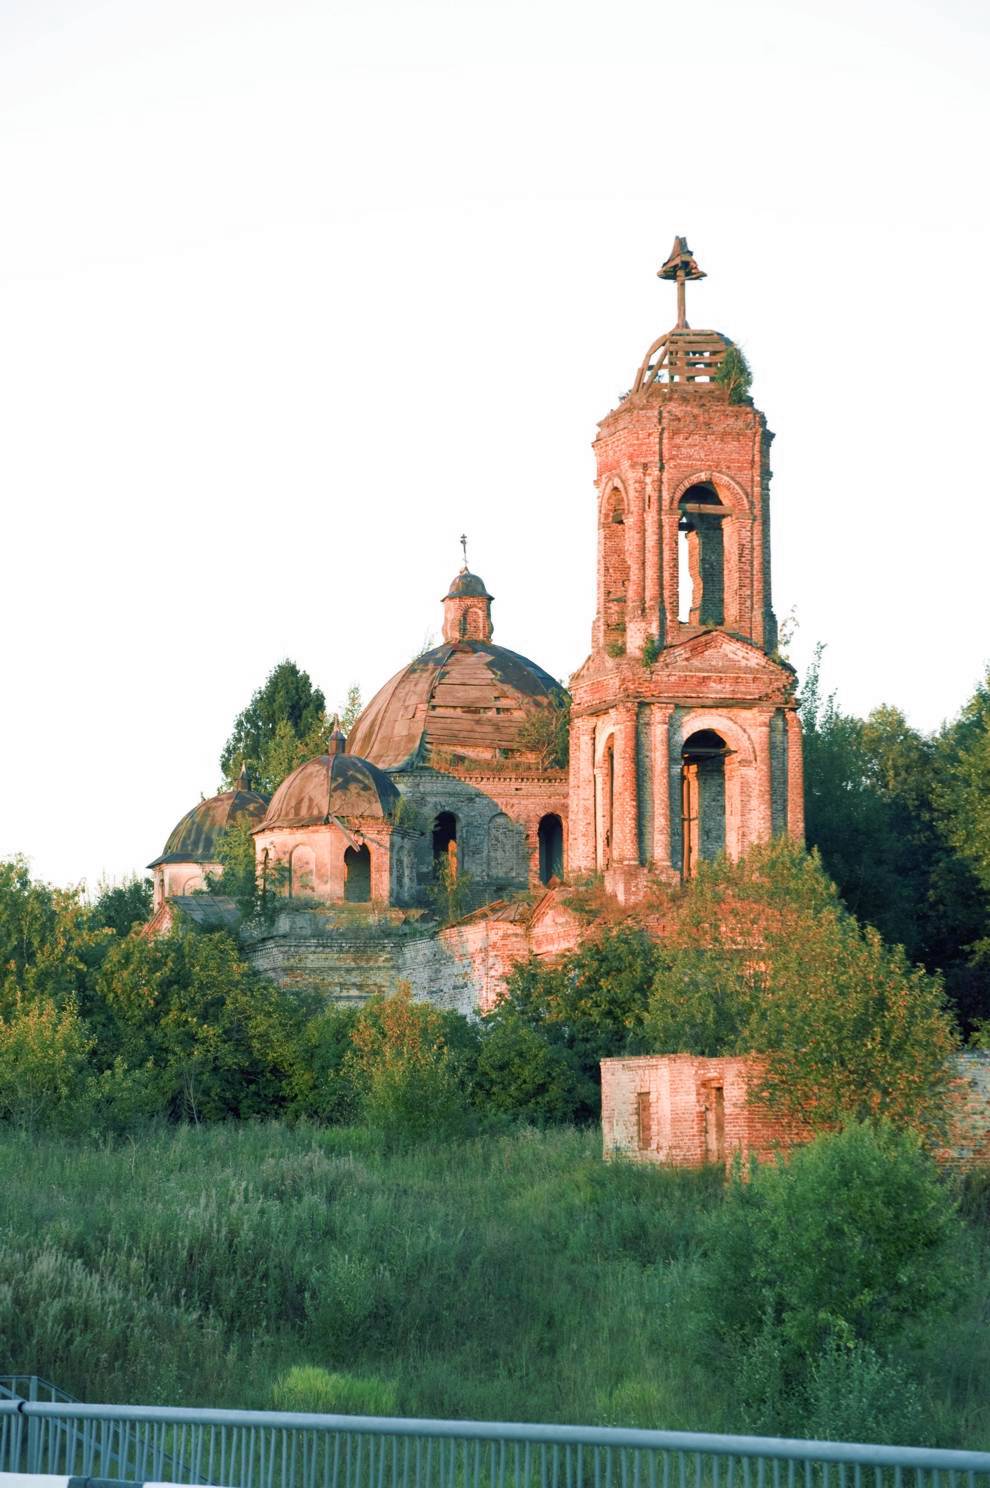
(662, 1108)
(666, 1109)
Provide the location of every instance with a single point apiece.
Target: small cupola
(467, 607)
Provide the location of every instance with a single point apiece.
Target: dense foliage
(100, 1028)
(903, 827)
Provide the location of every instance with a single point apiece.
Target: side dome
(331, 785)
(468, 697)
(194, 839)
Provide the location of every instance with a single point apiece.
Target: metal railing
(31, 1387)
(271, 1449)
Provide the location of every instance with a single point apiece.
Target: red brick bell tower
(685, 741)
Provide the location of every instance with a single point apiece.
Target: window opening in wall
(551, 839)
(702, 799)
(445, 842)
(357, 875)
(701, 557)
(644, 1121)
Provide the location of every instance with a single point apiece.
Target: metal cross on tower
(464, 546)
(681, 267)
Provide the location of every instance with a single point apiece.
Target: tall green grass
(514, 1277)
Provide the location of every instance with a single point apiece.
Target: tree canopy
(284, 723)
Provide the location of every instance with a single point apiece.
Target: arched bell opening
(703, 762)
(551, 839)
(445, 844)
(357, 875)
(701, 557)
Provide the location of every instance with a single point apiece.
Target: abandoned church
(684, 740)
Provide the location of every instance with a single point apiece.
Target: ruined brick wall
(310, 862)
(498, 817)
(686, 1110)
(665, 1108)
(554, 930)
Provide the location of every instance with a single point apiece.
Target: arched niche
(615, 565)
(703, 802)
(503, 849)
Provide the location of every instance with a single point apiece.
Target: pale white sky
(292, 293)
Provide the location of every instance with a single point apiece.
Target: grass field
(510, 1277)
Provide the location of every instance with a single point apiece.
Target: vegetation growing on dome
(734, 374)
(546, 731)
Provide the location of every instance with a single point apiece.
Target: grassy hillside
(515, 1277)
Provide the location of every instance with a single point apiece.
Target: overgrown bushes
(511, 1276)
(105, 1029)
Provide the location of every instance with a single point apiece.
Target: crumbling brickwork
(685, 1110)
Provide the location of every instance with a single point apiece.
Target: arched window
(701, 557)
(702, 799)
(551, 839)
(357, 875)
(445, 844)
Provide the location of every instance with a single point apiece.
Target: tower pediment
(716, 651)
(720, 664)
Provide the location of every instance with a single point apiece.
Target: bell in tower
(684, 638)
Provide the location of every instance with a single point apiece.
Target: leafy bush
(408, 1079)
(848, 1241)
(43, 1063)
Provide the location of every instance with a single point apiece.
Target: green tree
(350, 709)
(868, 811)
(119, 907)
(238, 877)
(48, 943)
(284, 724)
(546, 731)
(587, 1007)
(735, 375)
(521, 1072)
(220, 1038)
